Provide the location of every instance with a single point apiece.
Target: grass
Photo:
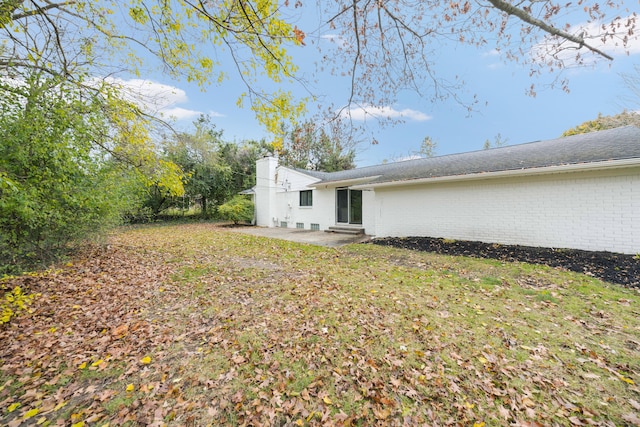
(249, 330)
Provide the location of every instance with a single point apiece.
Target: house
(580, 192)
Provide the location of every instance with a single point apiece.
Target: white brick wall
(581, 210)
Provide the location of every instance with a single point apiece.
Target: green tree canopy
(311, 147)
(605, 122)
(59, 180)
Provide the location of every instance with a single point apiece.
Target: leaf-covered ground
(198, 325)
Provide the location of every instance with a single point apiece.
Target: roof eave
(547, 170)
(343, 182)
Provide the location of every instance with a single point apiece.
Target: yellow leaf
(60, 406)
(130, 388)
(41, 420)
(80, 424)
(481, 424)
(145, 360)
(97, 362)
(482, 360)
(52, 329)
(30, 414)
(82, 365)
(13, 407)
(626, 380)
(299, 422)
(327, 401)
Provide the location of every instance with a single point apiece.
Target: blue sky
(501, 87)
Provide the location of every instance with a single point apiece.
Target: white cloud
(592, 33)
(492, 52)
(215, 114)
(386, 112)
(338, 40)
(179, 113)
(157, 98)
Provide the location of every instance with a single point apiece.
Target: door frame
(352, 218)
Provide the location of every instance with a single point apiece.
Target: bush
(237, 209)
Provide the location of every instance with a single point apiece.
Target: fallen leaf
(504, 412)
(30, 414)
(626, 380)
(130, 388)
(120, 330)
(13, 407)
(632, 418)
(145, 360)
(576, 421)
(382, 414)
(327, 401)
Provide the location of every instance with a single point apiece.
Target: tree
(206, 175)
(605, 122)
(428, 147)
(498, 142)
(82, 39)
(310, 147)
(58, 187)
(386, 47)
(241, 159)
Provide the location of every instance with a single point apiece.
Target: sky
(504, 107)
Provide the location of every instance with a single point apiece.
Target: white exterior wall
(580, 210)
(289, 183)
(265, 191)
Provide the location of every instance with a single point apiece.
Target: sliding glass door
(348, 206)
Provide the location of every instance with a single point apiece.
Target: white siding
(591, 211)
(265, 196)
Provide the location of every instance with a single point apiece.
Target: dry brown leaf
(632, 418)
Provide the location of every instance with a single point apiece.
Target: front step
(346, 230)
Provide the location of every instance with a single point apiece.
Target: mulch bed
(607, 266)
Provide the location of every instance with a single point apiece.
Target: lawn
(198, 325)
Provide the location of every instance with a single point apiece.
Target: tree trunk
(204, 207)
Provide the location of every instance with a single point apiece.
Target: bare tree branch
(526, 17)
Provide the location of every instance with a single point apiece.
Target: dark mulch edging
(607, 266)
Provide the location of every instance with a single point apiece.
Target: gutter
(548, 170)
(344, 182)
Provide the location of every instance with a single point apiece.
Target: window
(306, 198)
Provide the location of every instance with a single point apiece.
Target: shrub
(237, 209)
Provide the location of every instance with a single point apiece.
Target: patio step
(345, 230)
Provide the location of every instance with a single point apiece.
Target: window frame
(305, 199)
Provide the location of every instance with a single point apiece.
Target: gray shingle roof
(614, 144)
